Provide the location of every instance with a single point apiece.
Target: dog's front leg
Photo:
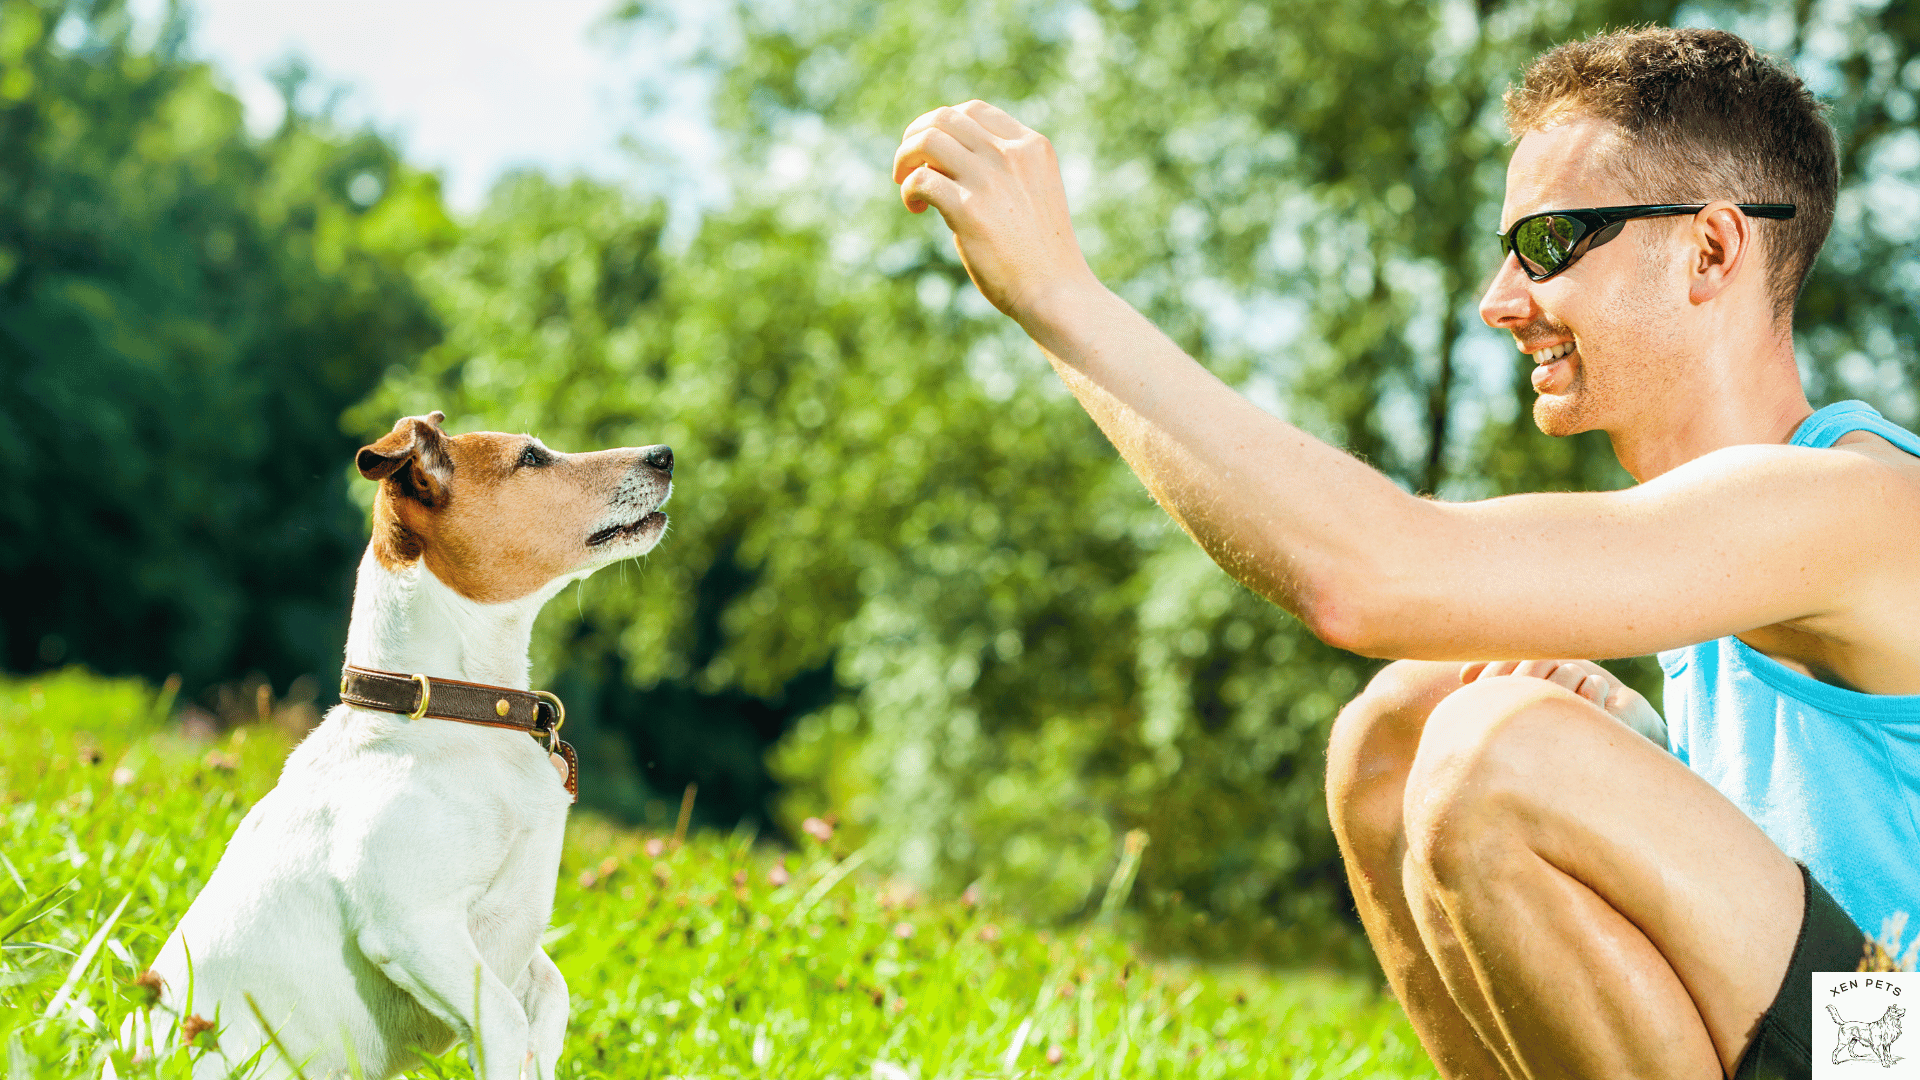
(432, 957)
(546, 1002)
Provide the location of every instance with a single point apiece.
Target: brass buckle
(426, 694)
(559, 717)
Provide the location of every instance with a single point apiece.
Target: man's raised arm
(1741, 538)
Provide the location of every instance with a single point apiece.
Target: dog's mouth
(631, 529)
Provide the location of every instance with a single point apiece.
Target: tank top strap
(1827, 426)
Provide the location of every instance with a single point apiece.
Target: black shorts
(1783, 1047)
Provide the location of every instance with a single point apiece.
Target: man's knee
(1485, 756)
(1380, 728)
(1374, 741)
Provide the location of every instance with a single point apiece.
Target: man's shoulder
(1860, 466)
(1861, 495)
(1877, 448)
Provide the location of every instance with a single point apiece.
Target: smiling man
(1550, 893)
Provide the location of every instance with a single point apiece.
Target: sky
(469, 88)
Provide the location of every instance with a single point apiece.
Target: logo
(1861, 1033)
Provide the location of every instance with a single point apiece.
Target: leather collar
(536, 712)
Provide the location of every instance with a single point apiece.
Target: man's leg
(1587, 905)
(1622, 917)
(1368, 757)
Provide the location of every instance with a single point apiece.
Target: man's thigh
(1584, 793)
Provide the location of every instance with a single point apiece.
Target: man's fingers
(1582, 677)
(965, 129)
(1567, 675)
(920, 123)
(1538, 669)
(1595, 688)
(1603, 686)
(931, 147)
(993, 119)
(1587, 666)
(1621, 696)
(926, 187)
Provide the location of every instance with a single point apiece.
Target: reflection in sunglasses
(1546, 241)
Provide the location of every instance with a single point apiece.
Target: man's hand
(1590, 681)
(997, 184)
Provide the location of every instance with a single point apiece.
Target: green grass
(683, 960)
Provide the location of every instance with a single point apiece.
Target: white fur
(391, 891)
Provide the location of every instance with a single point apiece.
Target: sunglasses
(1549, 243)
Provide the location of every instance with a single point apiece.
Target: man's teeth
(1548, 356)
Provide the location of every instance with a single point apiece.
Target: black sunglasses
(1549, 243)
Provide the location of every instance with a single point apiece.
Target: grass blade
(85, 959)
(1018, 1044)
(825, 885)
(1123, 874)
(33, 909)
(273, 1038)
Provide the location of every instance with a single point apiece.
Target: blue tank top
(1830, 775)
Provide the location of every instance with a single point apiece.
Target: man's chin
(1559, 415)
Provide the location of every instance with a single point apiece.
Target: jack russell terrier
(388, 896)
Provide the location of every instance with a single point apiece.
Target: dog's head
(496, 517)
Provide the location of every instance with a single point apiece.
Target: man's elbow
(1351, 618)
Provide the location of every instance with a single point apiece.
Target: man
(1549, 893)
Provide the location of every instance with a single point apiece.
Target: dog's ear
(413, 457)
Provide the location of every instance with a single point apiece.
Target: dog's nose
(660, 457)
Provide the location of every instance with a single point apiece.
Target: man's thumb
(926, 187)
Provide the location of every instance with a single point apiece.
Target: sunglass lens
(1545, 243)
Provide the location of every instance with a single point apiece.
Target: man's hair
(1705, 117)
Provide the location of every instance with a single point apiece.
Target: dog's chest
(440, 811)
(507, 919)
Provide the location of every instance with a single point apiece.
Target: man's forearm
(1742, 537)
(1296, 520)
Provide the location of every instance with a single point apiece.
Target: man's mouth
(1552, 352)
(1553, 370)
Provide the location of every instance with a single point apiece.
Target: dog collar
(536, 712)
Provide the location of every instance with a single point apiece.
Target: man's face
(1615, 313)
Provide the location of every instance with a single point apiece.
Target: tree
(184, 313)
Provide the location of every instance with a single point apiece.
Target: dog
(1859, 1039)
(389, 894)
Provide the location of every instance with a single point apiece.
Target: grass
(717, 957)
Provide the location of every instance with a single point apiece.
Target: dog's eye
(531, 457)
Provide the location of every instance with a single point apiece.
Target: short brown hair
(1706, 117)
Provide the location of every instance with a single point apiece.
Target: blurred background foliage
(907, 584)
(184, 313)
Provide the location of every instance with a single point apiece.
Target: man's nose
(1508, 301)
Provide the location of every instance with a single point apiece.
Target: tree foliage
(184, 313)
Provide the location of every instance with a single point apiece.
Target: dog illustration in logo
(1859, 1039)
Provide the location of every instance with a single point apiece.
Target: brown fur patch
(393, 544)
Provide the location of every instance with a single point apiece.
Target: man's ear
(1722, 240)
(412, 457)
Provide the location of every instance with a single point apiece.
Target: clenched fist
(997, 184)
